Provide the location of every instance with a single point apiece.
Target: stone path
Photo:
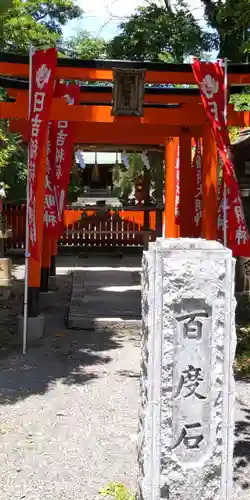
(69, 410)
(104, 296)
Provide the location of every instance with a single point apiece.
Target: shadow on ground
(108, 294)
(73, 357)
(242, 448)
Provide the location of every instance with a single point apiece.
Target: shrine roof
(241, 68)
(79, 69)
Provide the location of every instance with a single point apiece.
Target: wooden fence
(88, 228)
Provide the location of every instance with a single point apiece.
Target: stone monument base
(35, 328)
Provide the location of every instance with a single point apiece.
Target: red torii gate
(168, 113)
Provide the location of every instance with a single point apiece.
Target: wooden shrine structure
(162, 117)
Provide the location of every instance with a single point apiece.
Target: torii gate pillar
(210, 185)
(186, 223)
(171, 228)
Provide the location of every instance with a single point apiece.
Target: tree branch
(168, 6)
(211, 11)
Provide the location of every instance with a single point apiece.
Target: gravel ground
(69, 413)
(242, 441)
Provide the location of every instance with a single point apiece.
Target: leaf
(117, 491)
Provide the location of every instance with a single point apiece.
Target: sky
(102, 17)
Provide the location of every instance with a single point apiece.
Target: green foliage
(231, 20)
(161, 33)
(27, 22)
(123, 178)
(34, 22)
(233, 133)
(241, 101)
(117, 491)
(242, 363)
(13, 161)
(4, 7)
(13, 164)
(75, 188)
(7, 145)
(157, 33)
(84, 46)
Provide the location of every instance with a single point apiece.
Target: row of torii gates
(175, 113)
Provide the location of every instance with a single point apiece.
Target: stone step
(107, 296)
(88, 322)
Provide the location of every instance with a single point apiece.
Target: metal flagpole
(225, 187)
(25, 308)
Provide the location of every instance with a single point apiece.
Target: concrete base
(45, 299)
(35, 328)
(52, 283)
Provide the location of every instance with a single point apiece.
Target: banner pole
(25, 305)
(225, 187)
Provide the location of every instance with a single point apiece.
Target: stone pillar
(187, 388)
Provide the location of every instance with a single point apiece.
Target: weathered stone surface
(187, 387)
(5, 268)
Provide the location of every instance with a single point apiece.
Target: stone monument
(187, 387)
(5, 278)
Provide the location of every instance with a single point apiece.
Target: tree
(13, 161)
(32, 22)
(85, 46)
(26, 22)
(159, 33)
(4, 7)
(231, 20)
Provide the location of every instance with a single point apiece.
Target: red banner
(223, 205)
(43, 64)
(50, 206)
(177, 187)
(61, 148)
(237, 240)
(210, 78)
(197, 183)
